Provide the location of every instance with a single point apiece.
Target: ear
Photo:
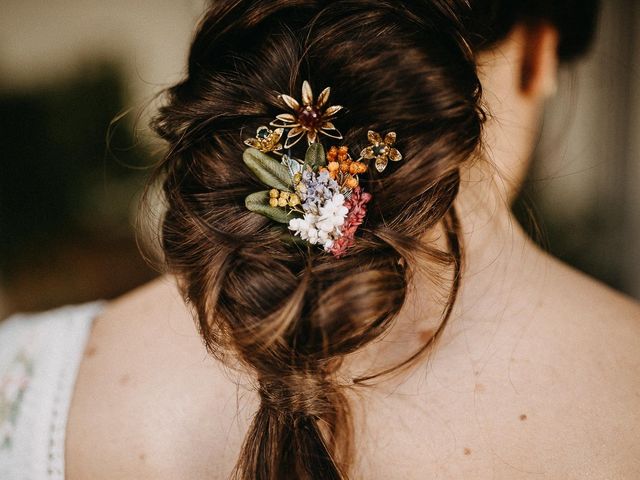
(539, 68)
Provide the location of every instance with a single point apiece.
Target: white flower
(332, 215)
(323, 228)
(305, 228)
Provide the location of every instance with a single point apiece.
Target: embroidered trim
(12, 388)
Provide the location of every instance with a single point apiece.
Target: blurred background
(68, 204)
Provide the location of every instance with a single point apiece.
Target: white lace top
(39, 358)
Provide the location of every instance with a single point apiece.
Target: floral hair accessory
(266, 140)
(310, 117)
(381, 150)
(319, 197)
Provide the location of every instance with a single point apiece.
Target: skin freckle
(523, 417)
(480, 388)
(142, 456)
(425, 335)
(124, 379)
(467, 451)
(91, 351)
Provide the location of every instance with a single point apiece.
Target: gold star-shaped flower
(312, 117)
(266, 140)
(381, 150)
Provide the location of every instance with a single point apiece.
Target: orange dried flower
(358, 167)
(350, 182)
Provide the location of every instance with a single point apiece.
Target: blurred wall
(67, 68)
(43, 41)
(632, 184)
(585, 180)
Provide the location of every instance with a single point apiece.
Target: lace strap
(52, 344)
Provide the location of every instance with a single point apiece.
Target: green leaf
(268, 170)
(293, 239)
(259, 202)
(315, 156)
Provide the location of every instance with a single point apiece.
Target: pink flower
(356, 204)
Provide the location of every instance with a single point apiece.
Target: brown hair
(290, 313)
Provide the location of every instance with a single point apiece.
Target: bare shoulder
(550, 390)
(149, 401)
(552, 393)
(559, 397)
(584, 292)
(583, 360)
(599, 321)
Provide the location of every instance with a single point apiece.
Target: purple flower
(315, 189)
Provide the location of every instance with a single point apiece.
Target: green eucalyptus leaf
(293, 239)
(268, 170)
(315, 156)
(259, 202)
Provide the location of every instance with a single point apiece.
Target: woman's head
(291, 314)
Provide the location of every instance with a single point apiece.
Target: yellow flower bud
(273, 202)
(284, 195)
(273, 193)
(294, 200)
(282, 202)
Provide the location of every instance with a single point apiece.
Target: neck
(502, 269)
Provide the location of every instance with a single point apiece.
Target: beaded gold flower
(266, 140)
(381, 150)
(312, 117)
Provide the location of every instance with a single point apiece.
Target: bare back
(552, 391)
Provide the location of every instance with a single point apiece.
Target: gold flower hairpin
(311, 117)
(266, 140)
(381, 149)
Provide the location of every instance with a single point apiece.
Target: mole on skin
(467, 451)
(523, 417)
(425, 335)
